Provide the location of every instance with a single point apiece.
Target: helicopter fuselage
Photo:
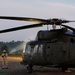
(57, 51)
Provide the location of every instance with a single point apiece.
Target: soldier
(4, 59)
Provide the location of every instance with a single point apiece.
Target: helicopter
(53, 48)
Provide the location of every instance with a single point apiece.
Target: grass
(15, 55)
(12, 58)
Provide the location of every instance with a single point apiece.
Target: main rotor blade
(54, 21)
(71, 21)
(69, 27)
(20, 28)
(23, 19)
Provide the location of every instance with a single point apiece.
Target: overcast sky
(44, 9)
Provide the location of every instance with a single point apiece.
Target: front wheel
(29, 68)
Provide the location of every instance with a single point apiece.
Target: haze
(44, 9)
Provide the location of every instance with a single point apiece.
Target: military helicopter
(53, 48)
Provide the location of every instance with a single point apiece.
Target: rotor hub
(56, 21)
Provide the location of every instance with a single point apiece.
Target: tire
(29, 69)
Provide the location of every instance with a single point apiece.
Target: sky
(44, 9)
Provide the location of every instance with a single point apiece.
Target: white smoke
(18, 48)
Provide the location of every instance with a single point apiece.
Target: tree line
(12, 45)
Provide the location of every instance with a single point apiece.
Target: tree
(4, 47)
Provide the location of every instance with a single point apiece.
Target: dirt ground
(15, 68)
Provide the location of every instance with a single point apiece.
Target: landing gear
(29, 68)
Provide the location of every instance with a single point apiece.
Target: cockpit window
(29, 48)
(40, 48)
(35, 48)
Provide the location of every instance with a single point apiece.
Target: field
(15, 68)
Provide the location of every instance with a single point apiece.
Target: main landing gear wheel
(29, 68)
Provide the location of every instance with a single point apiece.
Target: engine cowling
(46, 35)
